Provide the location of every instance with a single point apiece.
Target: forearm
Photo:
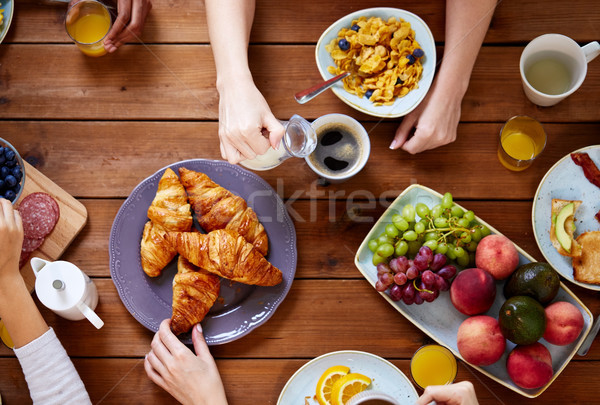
(467, 22)
(229, 25)
(19, 312)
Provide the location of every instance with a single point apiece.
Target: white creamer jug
(66, 290)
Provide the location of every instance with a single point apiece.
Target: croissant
(226, 254)
(194, 293)
(170, 207)
(156, 251)
(218, 208)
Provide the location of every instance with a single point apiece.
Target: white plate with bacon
(567, 180)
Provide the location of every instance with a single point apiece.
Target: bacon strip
(597, 216)
(590, 170)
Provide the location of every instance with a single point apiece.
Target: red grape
(383, 268)
(420, 262)
(439, 260)
(412, 273)
(399, 264)
(396, 292)
(400, 278)
(447, 272)
(386, 279)
(426, 252)
(418, 299)
(379, 286)
(428, 278)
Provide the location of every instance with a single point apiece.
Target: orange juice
(433, 365)
(88, 22)
(521, 140)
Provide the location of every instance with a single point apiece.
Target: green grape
(436, 211)
(456, 211)
(422, 210)
(419, 227)
(470, 215)
(458, 251)
(391, 231)
(385, 250)
(463, 223)
(378, 259)
(472, 246)
(431, 244)
(465, 237)
(440, 222)
(442, 248)
(476, 234)
(485, 231)
(450, 254)
(413, 247)
(447, 200)
(410, 236)
(401, 248)
(432, 236)
(373, 245)
(383, 238)
(408, 212)
(400, 223)
(463, 260)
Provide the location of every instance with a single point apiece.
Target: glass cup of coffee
(342, 150)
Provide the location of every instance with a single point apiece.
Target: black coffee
(338, 149)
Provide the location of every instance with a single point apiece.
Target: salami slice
(29, 245)
(39, 215)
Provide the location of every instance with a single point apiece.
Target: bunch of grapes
(445, 229)
(415, 281)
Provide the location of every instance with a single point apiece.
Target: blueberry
(9, 154)
(2, 158)
(418, 53)
(16, 171)
(411, 59)
(2, 184)
(10, 163)
(399, 81)
(369, 93)
(10, 180)
(4, 171)
(355, 27)
(9, 195)
(344, 44)
(16, 188)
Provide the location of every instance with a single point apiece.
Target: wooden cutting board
(73, 216)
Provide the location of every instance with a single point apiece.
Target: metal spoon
(312, 92)
(585, 346)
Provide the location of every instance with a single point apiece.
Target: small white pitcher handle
(38, 264)
(90, 315)
(591, 50)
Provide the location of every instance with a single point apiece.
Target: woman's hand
(11, 239)
(190, 378)
(461, 393)
(131, 16)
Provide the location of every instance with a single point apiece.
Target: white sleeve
(49, 372)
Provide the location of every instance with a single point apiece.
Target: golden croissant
(194, 293)
(156, 251)
(170, 207)
(226, 254)
(218, 208)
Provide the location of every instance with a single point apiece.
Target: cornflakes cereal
(384, 58)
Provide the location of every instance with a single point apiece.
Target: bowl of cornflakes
(391, 56)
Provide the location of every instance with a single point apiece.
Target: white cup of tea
(553, 66)
(342, 150)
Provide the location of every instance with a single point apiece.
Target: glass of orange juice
(87, 23)
(522, 139)
(433, 365)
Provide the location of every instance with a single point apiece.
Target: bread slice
(558, 205)
(586, 267)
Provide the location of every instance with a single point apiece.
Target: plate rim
(280, 204)
(515, 388)
(338, 92)
(339, 353)
(8, 22)
(593, 287)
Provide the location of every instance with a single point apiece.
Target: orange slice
(326, 382)
(348, 386)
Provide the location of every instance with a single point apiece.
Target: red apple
(480, 340)
(530, 366)
(564, 323)
(497, 255)
(473, 291)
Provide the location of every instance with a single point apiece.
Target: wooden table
(97, 127)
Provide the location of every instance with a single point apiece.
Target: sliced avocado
(561, 234)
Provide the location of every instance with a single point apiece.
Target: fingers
(200, 346)
(418, 143)
(275, 130)
(8, 216)
(403, 131)
(129, 23)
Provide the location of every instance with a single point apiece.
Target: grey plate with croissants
(240, 307)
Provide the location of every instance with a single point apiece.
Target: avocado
(537, 280)
(522, 320)
(561, 234)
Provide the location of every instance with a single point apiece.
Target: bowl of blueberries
(12, 172)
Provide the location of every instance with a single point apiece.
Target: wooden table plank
(176, 82)
(132, 151)
(303, 22)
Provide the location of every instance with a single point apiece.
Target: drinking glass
(433, 365)
(87, 22)
(522, 139)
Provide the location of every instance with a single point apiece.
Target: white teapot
(66, 290)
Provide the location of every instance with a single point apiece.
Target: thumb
(200, 346)
(403, 131)
(275, 129)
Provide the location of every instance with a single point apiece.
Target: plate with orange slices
(333, 378)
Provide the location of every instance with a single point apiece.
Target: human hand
(435, 121)
(131, 16)
(11, 238)
(247, 127)
(190, 378)
(461, 393)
